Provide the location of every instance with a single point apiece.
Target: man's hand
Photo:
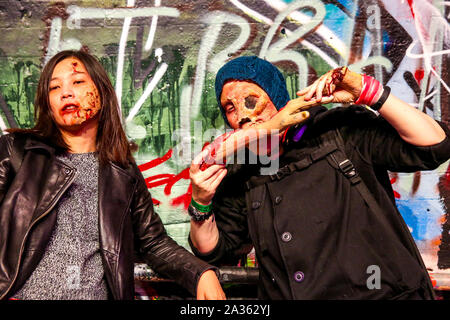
(205, 183)
(340, 83)
(209, 288)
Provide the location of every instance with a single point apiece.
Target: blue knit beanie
(260, 71)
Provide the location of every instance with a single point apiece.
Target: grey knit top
(71, 267)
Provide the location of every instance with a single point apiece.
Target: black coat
(128, 225)
(313, 234)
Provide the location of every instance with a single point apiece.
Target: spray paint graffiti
(162, 57)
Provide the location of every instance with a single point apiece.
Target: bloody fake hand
(221, 148)
(340, 83)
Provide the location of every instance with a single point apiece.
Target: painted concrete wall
(162, 57)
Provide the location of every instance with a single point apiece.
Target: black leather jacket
(127, 221)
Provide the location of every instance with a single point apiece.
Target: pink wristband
(363, 92)
(371, 90)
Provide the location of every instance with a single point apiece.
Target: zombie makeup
(246, 104)
(74, 98)
(85, 108)
(337, 76)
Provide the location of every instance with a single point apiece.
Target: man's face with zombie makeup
(73, 96)
(245, 104)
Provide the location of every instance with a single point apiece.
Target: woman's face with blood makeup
(246, 104)
(73, 96)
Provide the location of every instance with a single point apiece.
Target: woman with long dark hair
(75, 211)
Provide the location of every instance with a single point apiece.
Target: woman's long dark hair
(112, 144)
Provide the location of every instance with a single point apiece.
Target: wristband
(371, 89)
(377, 106)
(197, 215)
(200, 207)
(363, 92)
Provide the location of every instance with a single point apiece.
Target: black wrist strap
(377, 106)
(197, 215)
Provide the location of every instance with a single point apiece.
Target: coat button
(278, 199)
(286, 236)
(67, 171)
(299, 276)
(256, 204)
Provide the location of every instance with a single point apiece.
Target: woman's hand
(340, 83)
(209, 288)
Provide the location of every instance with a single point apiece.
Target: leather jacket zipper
(52, 205)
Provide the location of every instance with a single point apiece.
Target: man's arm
(224, 236)
(413, 126)
(204, 235)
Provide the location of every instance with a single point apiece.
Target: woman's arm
(164, 255)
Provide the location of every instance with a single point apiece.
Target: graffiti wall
(162, 56)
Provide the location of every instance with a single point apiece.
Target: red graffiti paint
(167, 179)
(446, 180)
(184, 199)
(410, 3)
(156, 162)
(396, 194)
(418, 75)
(433, 281)
(161, 179)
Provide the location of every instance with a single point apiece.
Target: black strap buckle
(282, 172)
(347, 168)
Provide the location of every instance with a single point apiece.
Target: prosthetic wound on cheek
(89, 106)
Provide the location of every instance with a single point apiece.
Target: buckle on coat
(284, 171)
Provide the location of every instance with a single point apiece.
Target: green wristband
(201, 207)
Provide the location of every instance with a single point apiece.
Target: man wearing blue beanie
(325, 225)
(259, 71)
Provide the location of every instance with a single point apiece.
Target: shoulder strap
(305, 162)
(347, 168)
(17, 152)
